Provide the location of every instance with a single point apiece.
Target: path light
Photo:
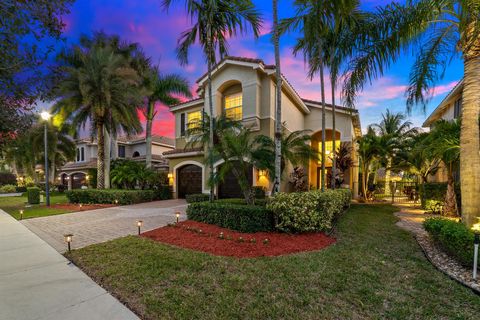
(21, 214)
(139, 225)
(116, 201)
(476, 242)
(80, 205)
(68, 240)
(177, 214)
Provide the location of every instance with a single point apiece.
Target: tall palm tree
(278, 102)
(99, 87)
(214, 21)
(367, 146)
(393, 132)
(163, 89)
(436, 30)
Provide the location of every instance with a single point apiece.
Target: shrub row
(308, 211)
(197, 197)
(238, 201)
(238, 217)
(454, 237)
(8, 188)
(111, 195)
(433, 195)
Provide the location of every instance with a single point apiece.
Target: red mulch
(85, 207)
(187, 234)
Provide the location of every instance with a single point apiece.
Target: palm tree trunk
(107, 158)
(470, 141)
(334, 161)
(388, 174)
(210, 145)
(322, 88)
(450, 207)
(278, 101)
(364, 180)
(100, 157)
(148, 135)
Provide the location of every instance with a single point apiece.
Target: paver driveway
(95, 226)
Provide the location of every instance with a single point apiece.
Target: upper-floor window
(121, 151)
(233, 106)
(80, 154)
(457, 108)
(194, 119)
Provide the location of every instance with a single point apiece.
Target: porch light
(21, 214)
(87, 177)
(170, 175)
(68, 239)
(262, 173)
(476, 242)
(177, 215)
(139, 225)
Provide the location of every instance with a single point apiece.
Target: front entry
(189, 180)
(328, 177)
(229, 187)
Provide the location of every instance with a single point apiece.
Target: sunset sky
(157, 31)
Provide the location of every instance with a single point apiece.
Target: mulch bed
(84, 207)
(225, 242)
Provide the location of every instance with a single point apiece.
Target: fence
(398, 191)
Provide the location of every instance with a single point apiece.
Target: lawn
(12, 205)
(375, 270)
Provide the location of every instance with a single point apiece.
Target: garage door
(189, 180)
(229, 187)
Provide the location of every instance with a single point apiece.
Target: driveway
(95, 226)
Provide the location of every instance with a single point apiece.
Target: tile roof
(178, 151)
(141, 138)
(329, 105)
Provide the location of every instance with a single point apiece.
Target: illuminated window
(194, 119)
(233, 106)
(328, 150)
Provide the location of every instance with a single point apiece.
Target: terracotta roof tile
(177, 151)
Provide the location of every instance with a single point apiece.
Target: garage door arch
(189, 178)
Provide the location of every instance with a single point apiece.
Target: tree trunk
(211, 140)
(148, 134)
(322, 88)
(450, 206)
(388, 174)
(278, 101)
(334, 161)
(100, 157)
(107, 158)
(243, 182)
(469, 141)
(365, 175)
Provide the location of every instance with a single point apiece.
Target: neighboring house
(244, 89)
(75, 174)
(449, 109)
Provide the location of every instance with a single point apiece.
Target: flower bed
(224, 242)
(84, 207)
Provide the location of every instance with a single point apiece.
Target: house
(449, 109)
(75, 174)
(244, 89)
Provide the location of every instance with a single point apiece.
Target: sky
(157, 32)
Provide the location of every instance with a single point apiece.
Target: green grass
(12, 206)
(374, 271)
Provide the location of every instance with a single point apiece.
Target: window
(136, 154)
(233, 106)
(457, 108)
(194, 119)
(182, 125)
(328, 150)
(80, 154)
(121, 151)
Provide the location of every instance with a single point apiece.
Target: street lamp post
(46, 116)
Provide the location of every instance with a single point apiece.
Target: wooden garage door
(229, 187)
(189, 180)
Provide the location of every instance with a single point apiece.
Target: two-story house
(244, 89)
(75, 174)
(449, 109)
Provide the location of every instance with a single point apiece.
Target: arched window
(136, 154)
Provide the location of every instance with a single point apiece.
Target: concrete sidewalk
(36, 282)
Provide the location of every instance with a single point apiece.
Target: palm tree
(367, 146)
(278, 102)
(343, 160)
(437, 31)
(214, 21)
(393, 131)
(444, 143)
(163, 89)
(99, 87)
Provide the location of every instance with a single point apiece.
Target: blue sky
(157, 31)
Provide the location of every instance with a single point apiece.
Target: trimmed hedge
(454, 237)
(8, 188)
(33, 195)
(110, 195)
(197, 197)
(7, 178)
(238, 217)
(239, 201)
(308, 211)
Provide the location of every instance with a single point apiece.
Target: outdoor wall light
(139, 225)
(170, 175)
(21, 214)
(68, 239)
(262, 173)
(476, 242)
(177, 215)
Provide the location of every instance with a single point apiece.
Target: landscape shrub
(8, 188)
(308, 211)
(259, 192)
(7, 178)
(33, 195)
(240, 201)
(243, 218)
(454, 237)
(21, 189)
(110, 195)
(433, 193)
(197, 197)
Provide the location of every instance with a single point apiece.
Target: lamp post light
(177, 215)
(476, 242)
(139, 225)
(46, 116)
(68, 239)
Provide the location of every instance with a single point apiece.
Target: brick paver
(95, 226)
